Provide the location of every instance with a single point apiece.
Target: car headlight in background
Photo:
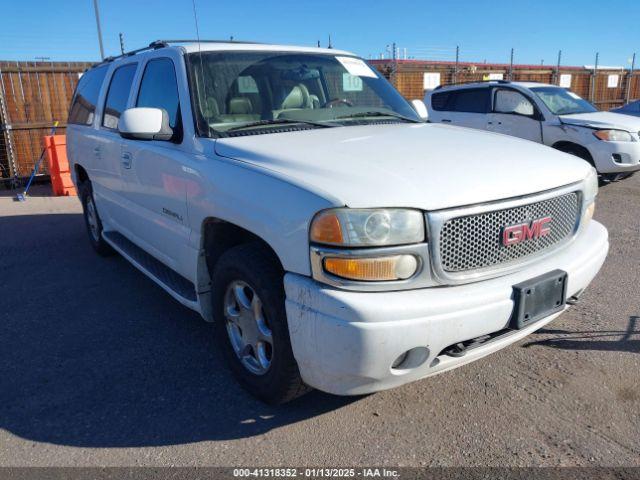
(367, 227)
(613, 135)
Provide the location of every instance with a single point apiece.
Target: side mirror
(145, 124)
(420, 108)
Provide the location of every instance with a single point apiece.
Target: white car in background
(543, 113)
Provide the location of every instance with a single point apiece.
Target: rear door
(514, 114)
(155, 172)
(108, 147)
(466, 107)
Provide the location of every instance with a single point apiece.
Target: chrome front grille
(473, 242)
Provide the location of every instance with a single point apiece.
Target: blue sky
(485, 30)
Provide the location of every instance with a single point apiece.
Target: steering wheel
(337, 101)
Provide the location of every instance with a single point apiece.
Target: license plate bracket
(538, 298)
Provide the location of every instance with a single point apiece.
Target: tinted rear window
(118, 94)
(85, 99)
(439, 100)
(472, 100)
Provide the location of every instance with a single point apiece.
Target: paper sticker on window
(430, 80)
(612, 81)
(357, 67)
(573, 95)
(246, 84)
(351, 83)
(565, 80)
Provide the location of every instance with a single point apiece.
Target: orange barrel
(56, 146)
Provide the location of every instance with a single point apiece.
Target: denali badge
(514, 234)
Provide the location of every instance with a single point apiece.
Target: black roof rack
(165, 43)
(209, 41)
(472, 81)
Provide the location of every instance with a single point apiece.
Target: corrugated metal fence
(32, 96)
(605, 88)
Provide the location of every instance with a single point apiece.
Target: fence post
(455, 68)
(592, 93)
(557, 82)
(6, 131)
(630, 79)
(511, 66)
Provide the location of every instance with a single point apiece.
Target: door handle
(445, 120)
(126, 159)
(96, 151)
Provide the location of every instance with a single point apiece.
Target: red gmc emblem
(514, 234)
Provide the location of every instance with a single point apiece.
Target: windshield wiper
(280, 121)
(377, 113)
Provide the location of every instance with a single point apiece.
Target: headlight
(591, 185)
(367, 227)
(588, 213)
(378, 269)
(613, 135)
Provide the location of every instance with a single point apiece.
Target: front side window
(85, 99)
(562, 101)
(469, 100)
(236, 90)
(159, 88)
(118, 94)
(510, 101)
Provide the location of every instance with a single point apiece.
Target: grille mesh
(475, 242)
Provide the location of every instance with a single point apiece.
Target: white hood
(613, 120)
(425, 166)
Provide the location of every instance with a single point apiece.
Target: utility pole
(95, 7)
(558, 67)
(121, 43)
(455, 68)
(592, 93)
(630, 79)
(511, 66)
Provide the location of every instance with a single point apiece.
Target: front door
(155, 180)
(514, 114)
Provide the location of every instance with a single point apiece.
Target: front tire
(92, 221)
(251, 323)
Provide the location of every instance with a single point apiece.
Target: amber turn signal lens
(326, 229)
(381, 269)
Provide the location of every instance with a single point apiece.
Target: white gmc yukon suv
(543, 113)
(337, 241)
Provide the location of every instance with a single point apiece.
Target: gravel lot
(100, 367)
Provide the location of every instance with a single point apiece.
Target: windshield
(562, 101)
(255, 91)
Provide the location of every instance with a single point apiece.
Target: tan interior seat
(297, 99)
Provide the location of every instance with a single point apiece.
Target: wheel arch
(566, 146)
(217, 237)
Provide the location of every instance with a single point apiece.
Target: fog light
(397, 267)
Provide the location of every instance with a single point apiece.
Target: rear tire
(92, 220)
(247, 283)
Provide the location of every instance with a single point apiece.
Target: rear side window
(439, 101)
(159, 88)
(118, 94)
(83, 107)
(471, 100)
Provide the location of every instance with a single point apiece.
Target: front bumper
(616, 157)
(345, 342)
